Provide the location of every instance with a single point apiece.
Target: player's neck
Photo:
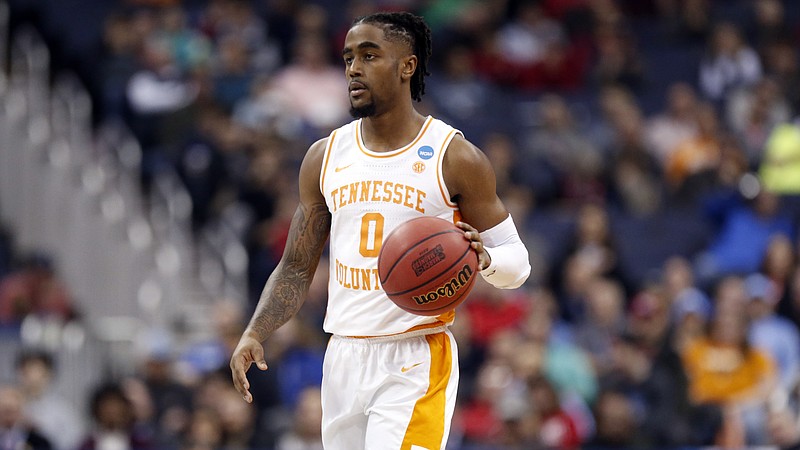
(391, 130)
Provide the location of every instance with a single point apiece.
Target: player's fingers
(258, 358)
(465, 226)
(239, 366)
(470, 234)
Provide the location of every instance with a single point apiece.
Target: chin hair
(363, 111)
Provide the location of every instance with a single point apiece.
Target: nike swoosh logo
(339, 169)
(405, 369)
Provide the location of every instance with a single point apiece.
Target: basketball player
(389, 377)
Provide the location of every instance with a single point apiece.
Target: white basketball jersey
(369, 194)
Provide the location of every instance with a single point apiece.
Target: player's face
(373, 68)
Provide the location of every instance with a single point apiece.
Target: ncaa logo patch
(425, 152)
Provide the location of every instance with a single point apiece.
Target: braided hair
(411, 29)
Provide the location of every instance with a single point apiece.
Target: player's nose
(353, 69)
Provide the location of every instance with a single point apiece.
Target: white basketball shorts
(389, 393)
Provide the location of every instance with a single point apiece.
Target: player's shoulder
(461, 151)
(317, 149)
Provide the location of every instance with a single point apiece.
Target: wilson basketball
(426, 266)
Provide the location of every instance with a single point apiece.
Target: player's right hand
(248, 351)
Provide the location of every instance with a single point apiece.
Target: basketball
(426, 266)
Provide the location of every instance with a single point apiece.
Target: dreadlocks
(412, 30)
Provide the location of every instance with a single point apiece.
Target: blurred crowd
(649, 151)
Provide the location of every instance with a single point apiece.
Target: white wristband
(510, 266)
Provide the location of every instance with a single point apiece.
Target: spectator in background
(775, 335)
(780, 165)
(119, 63)
(557, 429)
(720, 181)
(732, 168)
(690, 311)
(480, 417)
(698, 156)
(745, 228)
(617, 60)
(460, 94)
(305, 433)
(676, 123)
(237, 20)
(113, 422)
(783, 422)
(730, 295)
(558, 148)
(597, 331)
(689, 20)
(200, 163)
(143, 410)
(213, 354)
(767, 23)
(159, 86)
(784, 429)
(34, 289)
(592, 241)
(615, 103)
(562, 69)
(232, 72)
(310, 87)
(729, 64)
(752, 113)
(154, 92)
(239, 423)
(190, 50)
(172, 400)
(502, 150)
(15, 432)
(781, 63)
(676, 276)
(616, 423)
(203, 432)
(671, 419)
(636, 182)
(298, 351)
(525, 37)
(491, 311)
(263, 112)
(54, 416)
(563, 362)
(779, 262)
(724, 370)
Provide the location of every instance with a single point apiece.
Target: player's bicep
(471, 180)
(311, 223)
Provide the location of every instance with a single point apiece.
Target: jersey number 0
(371, 235)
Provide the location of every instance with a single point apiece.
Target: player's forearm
(286, 289)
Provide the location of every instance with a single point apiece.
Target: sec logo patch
(418, 167)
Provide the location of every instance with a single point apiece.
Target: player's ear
(409, 66)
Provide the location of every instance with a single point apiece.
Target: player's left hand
(472, 235)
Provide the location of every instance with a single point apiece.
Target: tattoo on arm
(287, 287)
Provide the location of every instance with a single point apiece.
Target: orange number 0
(371, 235)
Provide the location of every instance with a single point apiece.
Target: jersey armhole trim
(325, 159)
(439, 169)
